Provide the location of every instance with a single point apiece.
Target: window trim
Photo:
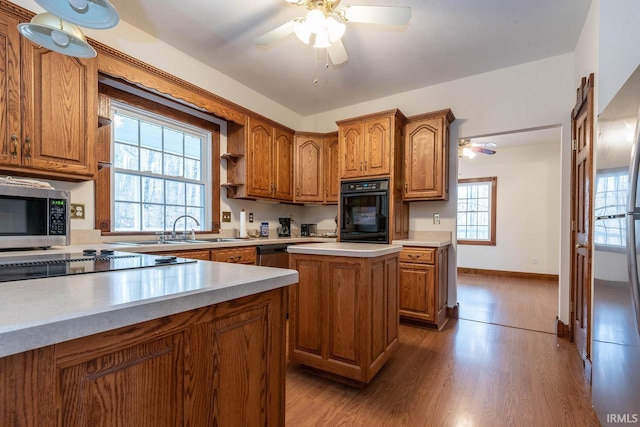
(493, 181)
(103, 177)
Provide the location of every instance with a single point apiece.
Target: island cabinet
(259, 161)
(48, 109)
(343, 315)
(221, 365)
(369, 144)
(426, 156)
(423, 285)
(316, 168)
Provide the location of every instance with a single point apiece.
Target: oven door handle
(365, 193)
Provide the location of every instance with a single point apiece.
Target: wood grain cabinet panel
(221, 365)
(316, 164)
(332, 168)
(259, 159)
(426, 156)
(202, 254)
(283, 165)
(343, 314)
(423, 285)
(48, 120)
(242, 255)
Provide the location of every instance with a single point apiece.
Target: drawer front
(418, 255)
(236, 255)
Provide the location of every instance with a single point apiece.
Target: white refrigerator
(616, 237)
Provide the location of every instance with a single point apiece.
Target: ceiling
(444, 40)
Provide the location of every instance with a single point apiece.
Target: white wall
(527, 212)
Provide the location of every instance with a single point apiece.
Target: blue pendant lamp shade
(56, 34)
(97, 14)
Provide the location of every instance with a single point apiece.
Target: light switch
(436, 218)
(226, 216)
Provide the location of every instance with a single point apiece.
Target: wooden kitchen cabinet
(242, 255)
(259, 161)
(202, 254)
(426, 156)
(424, 285)
(343, 314)
(316, 177)
(48, 109)
(370, 144)
(219, 365)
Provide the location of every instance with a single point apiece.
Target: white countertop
(422, 243)
(39, 312)
(356, 250)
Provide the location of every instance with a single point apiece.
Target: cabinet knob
(14, 141)
(414, 256)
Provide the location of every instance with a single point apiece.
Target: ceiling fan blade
(337, 53)
(482, 150)
(386, 15)
(275, 35)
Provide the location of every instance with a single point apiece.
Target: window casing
(160, 171)
(476, 224)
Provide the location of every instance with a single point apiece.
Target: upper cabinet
(48, 109)
(259, 161)
(367, 144)
(316, 177)
(426, 156)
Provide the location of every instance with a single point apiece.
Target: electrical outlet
(250, 216)
(77, 211)
(226, 216)
(436, 218)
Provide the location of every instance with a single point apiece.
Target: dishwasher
(275, 255)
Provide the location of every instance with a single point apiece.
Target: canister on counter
(264, 229)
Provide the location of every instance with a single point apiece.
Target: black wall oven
(364, 211)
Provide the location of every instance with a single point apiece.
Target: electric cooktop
(89, 261)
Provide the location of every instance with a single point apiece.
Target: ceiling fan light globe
(301, 29)
(322, 40)
(468, 153)
(335, 29)
(60, 38)
(79, 5)
(315, 21)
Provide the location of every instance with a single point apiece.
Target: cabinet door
(283, 165)
(309, 180)
(331, 169)
(377, 147)
(306, 301)
(10, 147)
(235, 255)
(202, 254)
(59, 111)
(425, 160)
(351, 140)
(258, 155)
(417, 298)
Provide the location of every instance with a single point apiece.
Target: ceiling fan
(468, 149)
(324, 24)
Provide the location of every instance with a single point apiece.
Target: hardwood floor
(470, 374)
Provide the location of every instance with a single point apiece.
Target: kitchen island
(199, 343)
(343, 313)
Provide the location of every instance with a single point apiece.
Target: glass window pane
(127, 187)
(152, 190)
(125, 156)
(125, 129)
(175, 193)
(172, 165)
(194, 195)
(173, 141)
(172, 213)
(192, 147)
(150, 135)
(152, 217)
(126, 216)
(151, 161)
(192, 169)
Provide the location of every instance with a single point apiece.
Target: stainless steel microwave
(33, 217)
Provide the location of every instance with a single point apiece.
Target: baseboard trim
(562, 330)
(512, 274)
(454, 312)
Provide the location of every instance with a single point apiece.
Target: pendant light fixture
(47, 30)
(58, 29)
(96, 14)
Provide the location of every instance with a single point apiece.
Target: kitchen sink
(178, 241)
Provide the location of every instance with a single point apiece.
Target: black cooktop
(89, 261)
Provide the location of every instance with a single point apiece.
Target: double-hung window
(612, 189)
(161, 171)
(477, 211)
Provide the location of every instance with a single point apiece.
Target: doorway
(514, 282)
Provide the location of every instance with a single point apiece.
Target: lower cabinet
(202, 254)
(343, 314)
(221, 365)
(241, 255)
(424, 285)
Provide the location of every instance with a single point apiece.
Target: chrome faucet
(173, 232)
